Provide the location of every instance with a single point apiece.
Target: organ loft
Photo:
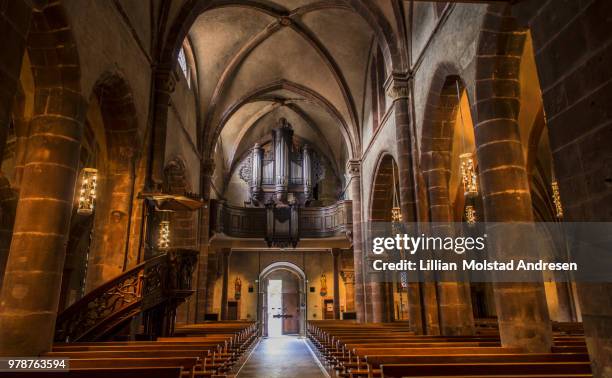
(194, 188)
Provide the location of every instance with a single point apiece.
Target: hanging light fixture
(87, 193)
(468, 175)
(470, 215)
(396, 212)
(396, 219)
(164, 235)
(556, 197)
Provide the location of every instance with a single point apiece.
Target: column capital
(353, 168)
(348, 276)
(165, 80)
(397, 85)
(208, 167)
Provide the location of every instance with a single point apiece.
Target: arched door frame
(262, 291)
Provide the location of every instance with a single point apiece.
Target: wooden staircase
(154, 288)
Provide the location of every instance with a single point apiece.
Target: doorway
(283, 300)
(275, 304)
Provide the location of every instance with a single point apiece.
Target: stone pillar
(30, 295)
(353, 168)
(399, 91)
(112, 213)
(577, 55)
(211, 279)
(521, 307)
(349, 290)
(225, 255)
(377, 294)
(455, 306)
(15, 24)
(336, 257)
(8, 201)
(207, 171)
(165, 83)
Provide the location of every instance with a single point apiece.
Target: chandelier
(556, 197)
(87, 193)
(164, 235)
(468, 175)
(470, 215)
(396, 212)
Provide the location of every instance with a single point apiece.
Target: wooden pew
(374, 362)
(485, 369)
(116, 372)
(188, 364)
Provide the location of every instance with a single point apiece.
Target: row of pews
(199, 350)
(392, 350)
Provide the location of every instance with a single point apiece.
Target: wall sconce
(468, 175)
(396, 215)
(87, 193)
(164, 235)
(556, 197)
(470, 214)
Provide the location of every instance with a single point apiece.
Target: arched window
(182, 61)
(377, 81)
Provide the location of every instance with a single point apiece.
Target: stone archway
(262, 305)
(380, 298)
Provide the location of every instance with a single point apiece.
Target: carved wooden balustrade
(157, 285)
(255, 222)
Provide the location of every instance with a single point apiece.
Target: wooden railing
(163, 281)
(253, 222)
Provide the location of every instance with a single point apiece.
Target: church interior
(187, 187)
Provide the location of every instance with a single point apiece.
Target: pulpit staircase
(154, 289)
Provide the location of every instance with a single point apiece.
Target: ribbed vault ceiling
(303, 60)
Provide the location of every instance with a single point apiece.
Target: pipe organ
(282, 171)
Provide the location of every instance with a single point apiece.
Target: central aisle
(285, 356)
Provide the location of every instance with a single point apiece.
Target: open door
(291, 321)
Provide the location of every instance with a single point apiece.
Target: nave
(281, 356)
(178, 175)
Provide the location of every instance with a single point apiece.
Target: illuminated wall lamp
(87, 193)
(556, 197)
(468, 175)
(164, 235)
(470, 214)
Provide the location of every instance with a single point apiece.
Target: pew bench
(484, 369)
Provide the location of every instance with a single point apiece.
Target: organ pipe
(307, 172)
(257, 170)
(282, 145)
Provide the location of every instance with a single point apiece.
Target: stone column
(353, 168)
(225, 255)
(14, 23)
(211, 279)
(165, 83)
(207, 171)
(399, 90)
(376, 290)
(455, 306)
(30, 295)
(112, 213)
(336, 257)
(521, 307)
(581, 155)
(349, 290)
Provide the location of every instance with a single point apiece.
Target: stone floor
(286, 356)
